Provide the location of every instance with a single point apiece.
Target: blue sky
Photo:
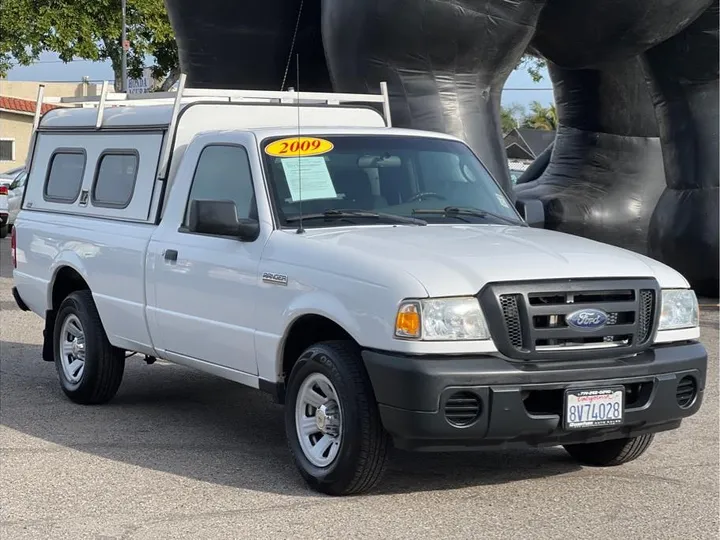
(519, 87)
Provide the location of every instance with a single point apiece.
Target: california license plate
(594, 407)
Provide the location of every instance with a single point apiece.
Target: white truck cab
(377, 281)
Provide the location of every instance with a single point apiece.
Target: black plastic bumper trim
(411, 392)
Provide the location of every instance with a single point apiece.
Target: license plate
(594, 407)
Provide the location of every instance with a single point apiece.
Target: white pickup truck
(377, 281)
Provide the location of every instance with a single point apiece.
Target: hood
(460, 259)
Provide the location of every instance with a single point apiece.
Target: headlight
(679, 309)
(441, 319)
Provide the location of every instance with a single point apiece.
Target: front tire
(610, 453)
(332, 421)
(89, 367)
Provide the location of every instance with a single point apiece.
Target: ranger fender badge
(277, 279)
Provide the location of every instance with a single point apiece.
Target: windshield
(437, 180)
(19, 181)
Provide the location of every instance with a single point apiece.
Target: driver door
(206, 286)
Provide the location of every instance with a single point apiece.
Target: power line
(530, 89)
(504, 89)
(110, 81)
(61, 62)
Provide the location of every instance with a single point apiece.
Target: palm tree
(509, 117)
(541, 117)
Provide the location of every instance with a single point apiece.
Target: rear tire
(356, 457)
(610, 453)
(89, 367)
(4, 231)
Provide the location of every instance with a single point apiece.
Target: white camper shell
(162, 124)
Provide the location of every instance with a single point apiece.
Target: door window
(223, 174)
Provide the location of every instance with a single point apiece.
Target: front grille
(645, 315)
(509, 303)
(557, 319)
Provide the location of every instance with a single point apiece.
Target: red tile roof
(22, 105)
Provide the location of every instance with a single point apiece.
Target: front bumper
(522, 402)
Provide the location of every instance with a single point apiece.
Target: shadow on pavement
(707, 322)
(175, 420)
(7, 305)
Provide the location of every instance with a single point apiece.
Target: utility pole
(123, 83)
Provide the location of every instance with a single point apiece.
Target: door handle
(171, 255)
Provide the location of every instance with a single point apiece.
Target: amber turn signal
(407, 323)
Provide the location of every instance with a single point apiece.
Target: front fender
(357, 320)
(326, 305)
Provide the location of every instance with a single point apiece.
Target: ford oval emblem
(587, 319)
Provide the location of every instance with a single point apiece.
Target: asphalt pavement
(178, 454)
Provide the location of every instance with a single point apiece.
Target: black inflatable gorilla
(635, 160)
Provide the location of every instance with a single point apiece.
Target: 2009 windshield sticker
(299, 146)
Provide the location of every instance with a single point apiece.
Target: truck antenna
(297, 84)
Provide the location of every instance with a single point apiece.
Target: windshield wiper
(352, 214)
(458, 212)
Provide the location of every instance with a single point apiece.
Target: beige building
(17, 108)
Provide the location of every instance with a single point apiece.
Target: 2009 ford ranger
(376, 281)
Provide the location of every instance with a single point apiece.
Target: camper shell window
(115, 178)
(65, 175)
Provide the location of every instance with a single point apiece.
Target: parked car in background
(4, 213)
(11, 173)
(12, 186)
(517, 168)
(15, 194)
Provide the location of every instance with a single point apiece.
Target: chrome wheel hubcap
(318, 420)
(71, 349)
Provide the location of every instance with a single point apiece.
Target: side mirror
(220, 218)
(533, 211)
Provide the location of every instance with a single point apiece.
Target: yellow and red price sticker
(299, 146)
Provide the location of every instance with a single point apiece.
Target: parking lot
(179, 454)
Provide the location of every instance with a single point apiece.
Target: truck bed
(113, 259)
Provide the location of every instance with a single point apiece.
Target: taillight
(3, 190)
(13, 246)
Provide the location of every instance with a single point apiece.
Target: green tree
(533, 65)
(541, 117)
(91, 30)
(509, 117)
